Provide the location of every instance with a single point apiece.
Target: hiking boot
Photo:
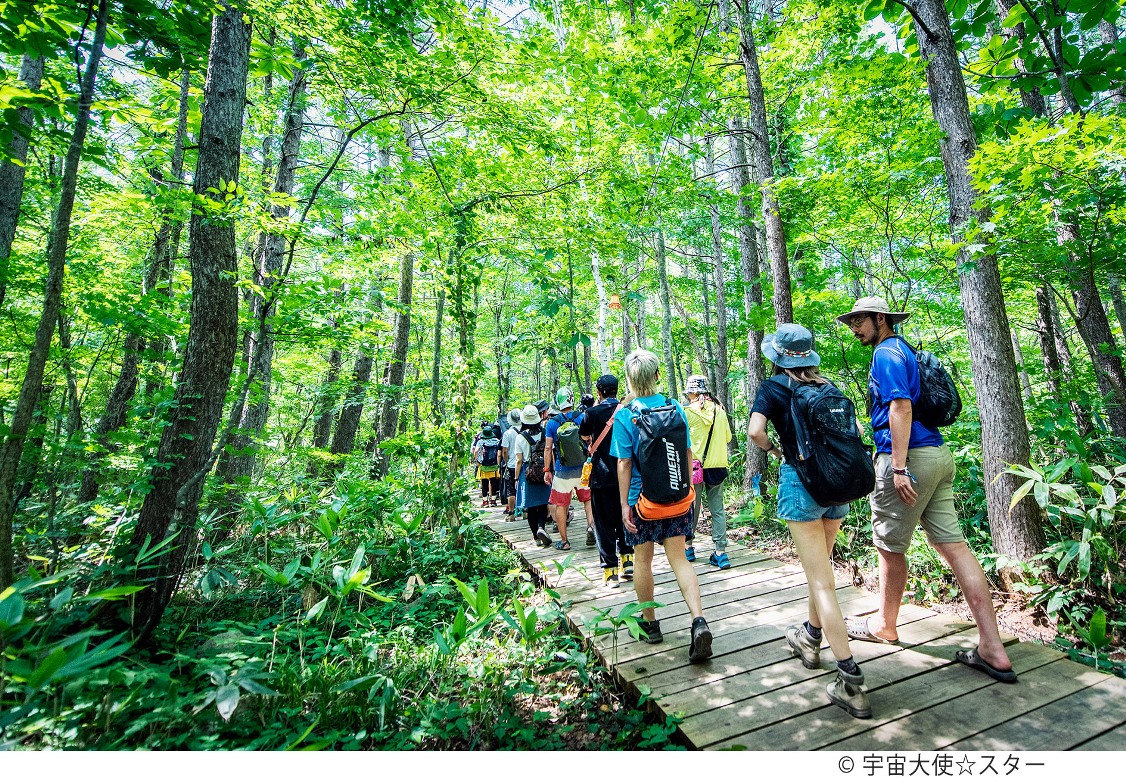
(701, 647)
(627, 567)
(610, 577)
(542, 538)
(589, 537)
(484, 502)
(652, 631)
(804, 646)
(848, 693)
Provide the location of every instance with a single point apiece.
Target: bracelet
(769, 448)
(904, 472)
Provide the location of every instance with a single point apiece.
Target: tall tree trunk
(586, 369)
(12, 170)
(239, 460)
(57, 246)
(723, 359)
(1118, 301)
(397, 367)
(708, 357)
(326, 401)
(159, 270)
(348, 423)
(764, 171)
(1108, 34)
(603, 304)
(666, 313)
(1094, 328)
(436, 372)
(1025, 381)
(1053, 349)
(1004, 431)
(1031, 99)
(74, 411)
(752, 293)
(185, 455)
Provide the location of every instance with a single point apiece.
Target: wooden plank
(994, 703)
(753, 694)
(770, 694)
(676, 620)
(1061, 725)
(743, 625)
(780, 720)
(735, 653)
(1115, 739)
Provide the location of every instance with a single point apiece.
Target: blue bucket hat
(791, 346)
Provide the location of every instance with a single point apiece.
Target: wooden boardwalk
(754, 695)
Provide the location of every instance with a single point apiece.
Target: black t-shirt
(604, 468)
(773, 402)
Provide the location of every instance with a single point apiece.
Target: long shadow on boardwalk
(753, 695)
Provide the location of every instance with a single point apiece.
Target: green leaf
(11, 609)
(226, 700)
(46, 670)
(315, 612)
(113, 593)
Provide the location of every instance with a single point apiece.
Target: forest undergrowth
(364, 615)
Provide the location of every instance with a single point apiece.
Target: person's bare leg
(685, 574)
(643, 576)
(893, 581)
(830, 526)
(560, 514)
(975, 587)
(809, 539)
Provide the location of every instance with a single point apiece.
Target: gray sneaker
(804, 646)
(848, 693)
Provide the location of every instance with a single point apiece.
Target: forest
(265, 267)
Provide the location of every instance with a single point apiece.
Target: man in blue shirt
(914, 484)
(642, 374)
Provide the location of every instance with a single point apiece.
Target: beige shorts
(893, 521)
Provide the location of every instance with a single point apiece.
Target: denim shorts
(795, 503)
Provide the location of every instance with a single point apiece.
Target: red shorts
(562, 488)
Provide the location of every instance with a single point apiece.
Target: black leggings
(490, 486)
(606, 505)
(537, 517)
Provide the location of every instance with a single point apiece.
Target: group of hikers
(644, 466)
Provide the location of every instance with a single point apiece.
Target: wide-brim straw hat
(873, 304)
(791, 346)
(530, 415)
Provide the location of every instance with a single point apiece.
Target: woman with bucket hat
(812, 526)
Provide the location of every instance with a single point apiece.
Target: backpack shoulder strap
(605, 430)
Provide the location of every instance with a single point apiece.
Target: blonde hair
(641, 372)
(804, 374)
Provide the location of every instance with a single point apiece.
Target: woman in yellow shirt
(711, 432)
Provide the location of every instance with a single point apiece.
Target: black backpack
(662, 453)
(489, 455)
(535, 473)
(832, 461)
(939, 402)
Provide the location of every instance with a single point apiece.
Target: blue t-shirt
(552, 431)
(623, 444)
(895, 376)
